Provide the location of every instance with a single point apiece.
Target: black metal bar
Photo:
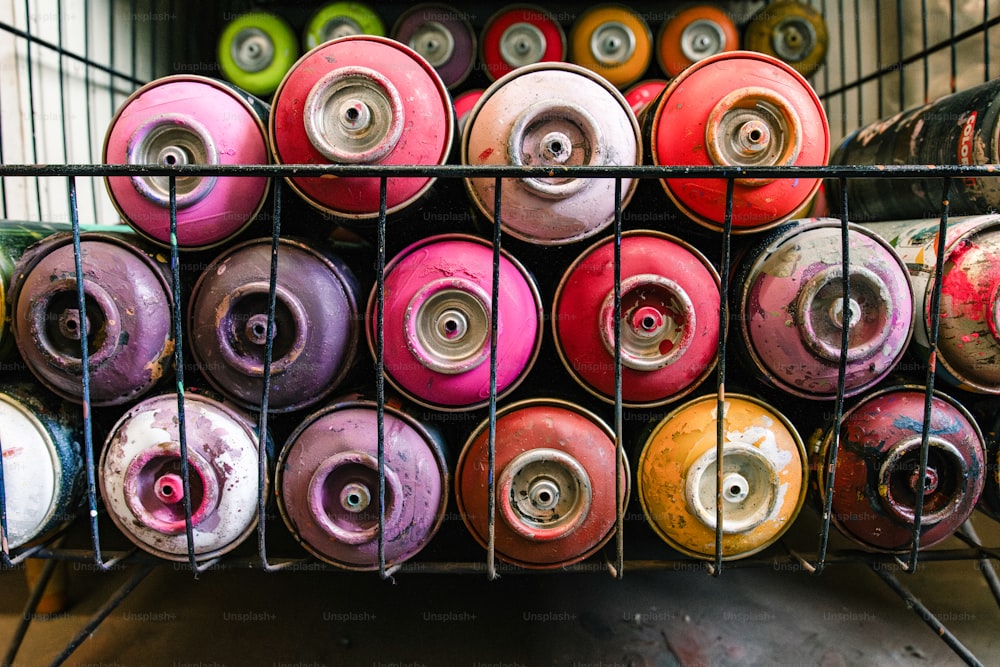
(619, 429)
(491, 489)
(924, 50)
(29, 611)
(31, 103)
(930, 619)
(382, 194)
(967, 533)
(106, 609)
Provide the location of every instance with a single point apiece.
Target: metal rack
(32, 182)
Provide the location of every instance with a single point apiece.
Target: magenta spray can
(128, 300)
(669, 318)
(362, 100)
(438, 320)
(328, 484)
(556, 115)
(968, 346)
(878, 469)
(188, 120)
(316, 326)
(142, 485)
(791, 312)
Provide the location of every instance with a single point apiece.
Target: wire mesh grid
(50, 172)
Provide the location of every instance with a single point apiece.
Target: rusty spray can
(669, 318)
(443, 36)
(437, 322)
(255, 50)
(791, 310)
(362, 100)
(556, 115)
(968, 346)
(612, 40)
(334, 20)
(128, 298)
(316, 325)
(188, 120)
(142, 485)
(878, 469)
(773, 119)
(694, 33)
(43, 469)
(555, 466)
(764, 476)
(328, 483)
(790, 30)
(520, 35)
(958, 129)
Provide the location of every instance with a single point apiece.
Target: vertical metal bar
(88, 91)
(860, 56)
(31, 105)
(491, 490)
(134, 39)
(262, 426)
(880, 112)
(932, 340)
(925, 614)
(900, 52)
(843, 70)
(112, 603)
(619, 428)
(379, 380)
(953, 47)
(720, 409)
(924, 45)
(838, 409)
(986, 42)
(4, 545)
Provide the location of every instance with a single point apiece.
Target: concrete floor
(771, 614)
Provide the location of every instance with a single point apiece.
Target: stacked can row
(256, 49)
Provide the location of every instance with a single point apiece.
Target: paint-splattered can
(791, 310)
(438, 324)
(791, 30)
(739, 109)
(877, 477)
(128, 300)
(328, 484)
(612, 40)
(642, 93)
(520, 35)
(669, 319)
(958, 129)
(443, 36)
(188, 120)
(342, 19)
(43, 470)
(255, 50)
(316, 327)
(556, 481)
(556, 115)
(968, 346)
(142, 485)
(694, 33)
(362, 100)
(764, 477)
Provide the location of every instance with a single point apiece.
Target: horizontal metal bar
(505, 171)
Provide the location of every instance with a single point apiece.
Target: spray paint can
(443, 36)
(773, 119)
(437, 322)
(181, 120)
(968, 346)
(694, 33)
(958, 129)
(556, 115)
(342, 19)
(642, 93)
(988, 420)
(878, 469)
(791, 310)
(669, 319)
(142, 485)
(128, 300)
(555, 466)
(464, 103)
(764, 477)
(255, 50)
(328, 484)
(43, 470)
(361, 100)
(315, 330)
(612, 40)
(520, 35)
(790, 30)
